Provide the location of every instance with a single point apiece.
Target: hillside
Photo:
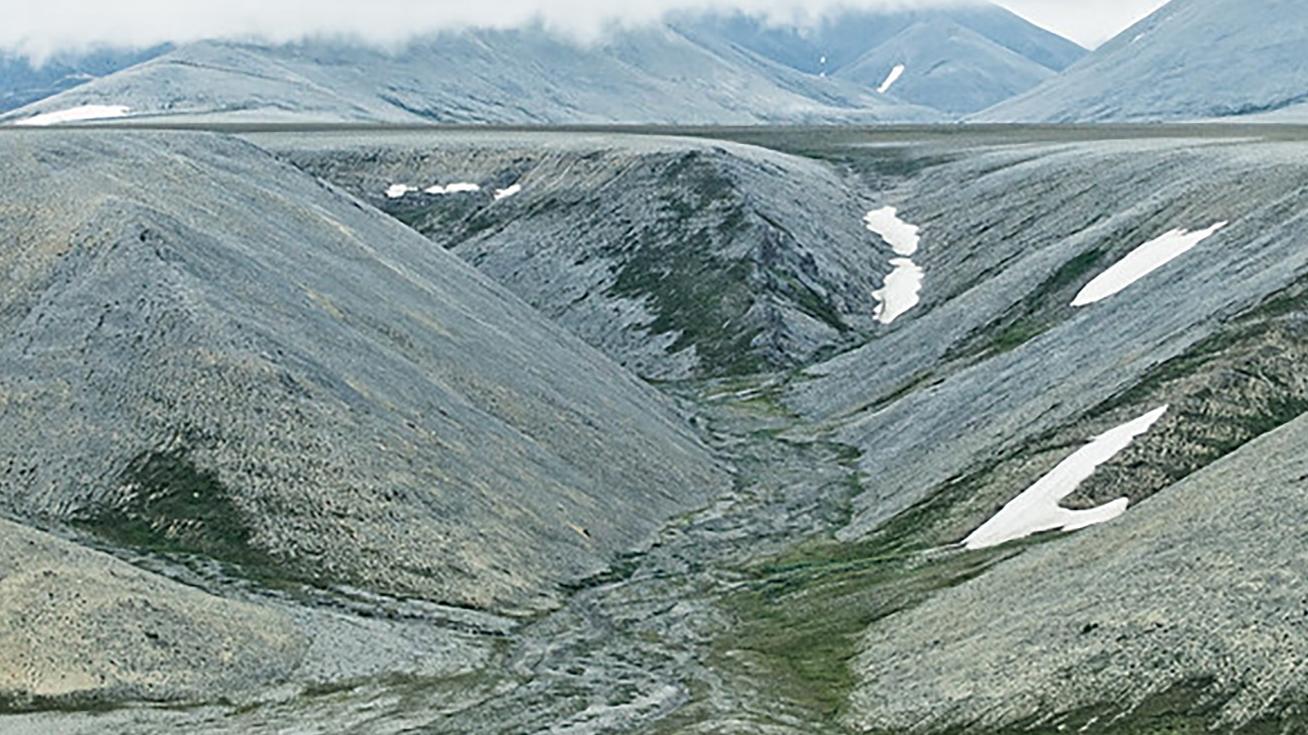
(677, 258)
(23, 82)
(1191, 60)
(208, 352)
(945, 66)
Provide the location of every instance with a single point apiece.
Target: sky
(37, 28)
(1088, 22)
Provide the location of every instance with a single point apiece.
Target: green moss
(171, 506)
(802, 615)
(692, 290)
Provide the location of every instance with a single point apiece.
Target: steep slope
(518, 76)
(1009, 238)
(22, 82)
(209, 353)
(1192, 59)
(676, 257)
(946, 66)
(1179, 617)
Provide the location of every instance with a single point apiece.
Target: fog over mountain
(694, 67)
(41, 30)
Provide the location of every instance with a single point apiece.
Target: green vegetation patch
(170, 505)
(692, 290)
(800, 616)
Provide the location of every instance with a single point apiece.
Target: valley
(595, 429)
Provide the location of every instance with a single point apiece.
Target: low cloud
(38, 29)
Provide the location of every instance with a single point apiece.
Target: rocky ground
(772, 544)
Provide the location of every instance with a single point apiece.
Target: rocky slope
(208, 352)
(1191, 60)
(79, 628)
(676, 257)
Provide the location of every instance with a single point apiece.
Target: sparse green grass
(801, 616)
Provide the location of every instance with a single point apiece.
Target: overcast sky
(39, 27)
(1088, 22)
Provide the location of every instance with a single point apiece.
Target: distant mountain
(1193, 59)
(693, 70)
(957, 60)
(946, 66)
(655, 75)
(22, 82)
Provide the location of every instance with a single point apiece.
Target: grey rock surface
(209, 352)
(697, 68)
(1190, 60)
(79, 628)
(822, 589)
(961, 58)
(1195, 589)
(995, 356)
(676, 257)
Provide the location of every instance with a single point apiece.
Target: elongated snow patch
(1037, 508)
(506, 193)
(1142, 261)
(398, 190)
(901, 291)
(458, 188)
(902, 236)
(902, 288)
(891, 78)
(75, 114)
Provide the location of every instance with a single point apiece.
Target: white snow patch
(75, 114)
(1142, 261)
(1037, 508)
(891, 78)
(398, 190)
(506, 193)
(458, 188)
(903, 286)
(902, 236)
(900, 292)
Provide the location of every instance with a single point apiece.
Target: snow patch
(1037, 509)
(902, 236)
(900, 292)
(902, 288)
(458, 188)
(891, 78)
(1142, 261)
(75, 114)
(398, 190)
(506, 193)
